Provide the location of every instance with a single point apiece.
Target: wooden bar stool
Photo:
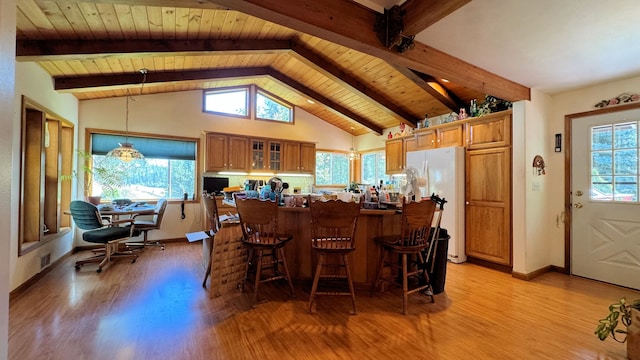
(417, 218)
(259, 224)
(333, 226)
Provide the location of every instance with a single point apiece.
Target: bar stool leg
(351, 289)
(316, 278)
(286, 271)
(208, 271)
(405, 284)
(246, 269)
(258, 273)
(379, 272)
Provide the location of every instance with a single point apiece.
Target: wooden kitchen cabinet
(493, 130)
(488, 205)
(299, 157)
(440, 136)
(450, 135)
(395, 153)
(227, 153)
(426, 139)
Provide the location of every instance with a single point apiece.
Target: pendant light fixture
(353, 153)
(125, 150)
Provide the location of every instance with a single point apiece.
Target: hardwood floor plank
(156, 309)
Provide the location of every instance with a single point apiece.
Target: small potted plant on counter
(627, 313)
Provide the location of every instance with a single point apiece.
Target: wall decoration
(622, 98)
(538, 164)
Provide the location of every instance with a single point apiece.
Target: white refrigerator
(443, 170)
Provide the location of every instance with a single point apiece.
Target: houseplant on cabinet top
(627, 313)
(107, 173)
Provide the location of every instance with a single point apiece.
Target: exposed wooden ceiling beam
(56, 50)
(325, 101)
(420, 14)
(93, 82)
(351, 25)
(433, 87)
(328, 69)
(53, 50)
(101, 81)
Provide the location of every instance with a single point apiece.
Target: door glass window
(614, 162)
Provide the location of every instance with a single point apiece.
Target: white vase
(633, 337)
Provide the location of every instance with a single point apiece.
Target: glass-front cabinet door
(275, 155)
(266, 155)
(258, 152)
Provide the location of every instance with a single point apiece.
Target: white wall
(180, 114)
(530, 210)
(8, 155)
(565, 103)
(33, 82)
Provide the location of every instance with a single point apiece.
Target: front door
(605, 226)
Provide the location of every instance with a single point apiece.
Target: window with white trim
(332, 168)
(373, 167)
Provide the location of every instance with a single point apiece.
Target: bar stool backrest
(211, 207)
(258, 220)
(333, 224)
(417, 218)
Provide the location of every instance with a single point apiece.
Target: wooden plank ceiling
(333, 70)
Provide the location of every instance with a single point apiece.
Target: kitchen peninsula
(371, 224)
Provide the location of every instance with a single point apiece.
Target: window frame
(228, 89)
(274, 98)
(597, 193)
(362, 163)
(198, 153)
(252, 92)
(349, 171)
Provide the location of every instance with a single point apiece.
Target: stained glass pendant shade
(125, 150)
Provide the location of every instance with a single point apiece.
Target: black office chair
(87, 217)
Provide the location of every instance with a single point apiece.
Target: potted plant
(627, 314)
(108, 173)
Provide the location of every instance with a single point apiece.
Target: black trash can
(437, 261)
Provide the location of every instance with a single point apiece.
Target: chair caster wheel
(99, 271)
(132, 261)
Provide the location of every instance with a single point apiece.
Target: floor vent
(45, 261)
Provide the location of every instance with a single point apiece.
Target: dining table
(132, 209)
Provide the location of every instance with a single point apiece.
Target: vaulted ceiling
(323, 56)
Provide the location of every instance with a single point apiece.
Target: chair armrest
(149, 213)
(121, 221)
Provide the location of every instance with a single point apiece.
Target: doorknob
(577, 205)
(578, 193)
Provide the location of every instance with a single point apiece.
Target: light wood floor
(156, 309)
